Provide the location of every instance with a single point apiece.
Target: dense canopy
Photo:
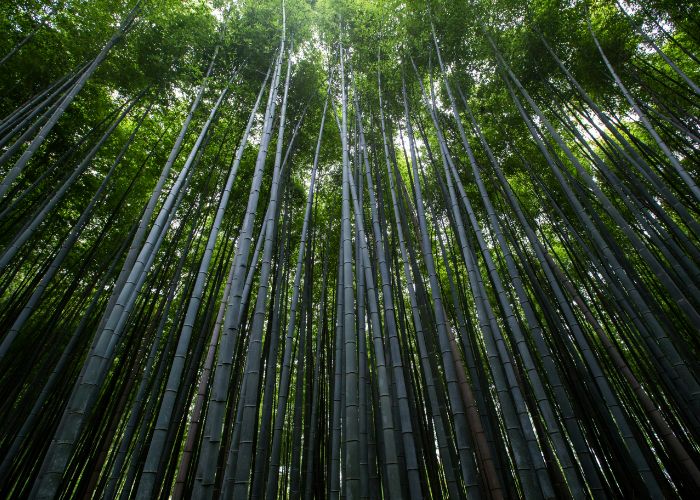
(349, 248)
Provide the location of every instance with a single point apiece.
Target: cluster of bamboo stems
(434, 339)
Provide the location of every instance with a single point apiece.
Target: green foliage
(163, 59)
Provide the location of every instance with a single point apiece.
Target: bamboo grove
(396, 249)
